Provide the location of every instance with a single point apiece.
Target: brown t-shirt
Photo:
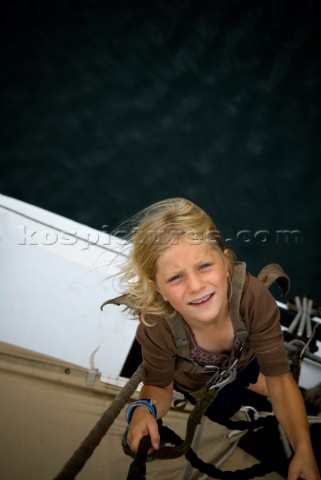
(261, 315)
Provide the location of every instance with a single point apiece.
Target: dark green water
(107, 106)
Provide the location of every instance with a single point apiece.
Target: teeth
(201, 301)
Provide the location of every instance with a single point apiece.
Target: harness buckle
(221, 379)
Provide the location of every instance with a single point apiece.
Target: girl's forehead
(186, 250)
(188, 242)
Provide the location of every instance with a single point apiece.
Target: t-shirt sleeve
(261, 313)
(158, 352)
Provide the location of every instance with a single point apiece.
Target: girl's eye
(174, 278)
(204, 266)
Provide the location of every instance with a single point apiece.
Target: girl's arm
(289, 408)
(142, 421)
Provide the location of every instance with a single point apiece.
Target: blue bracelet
(141, 403)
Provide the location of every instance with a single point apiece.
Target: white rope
(302, 320)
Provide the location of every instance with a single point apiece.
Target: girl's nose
(195, 283)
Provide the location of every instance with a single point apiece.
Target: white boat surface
(55, 273)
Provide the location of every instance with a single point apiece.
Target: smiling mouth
(203, 300)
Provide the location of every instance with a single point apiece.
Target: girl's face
(193, 279)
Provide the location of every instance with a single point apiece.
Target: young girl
(179, 271)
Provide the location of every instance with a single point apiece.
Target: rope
(137, 469)
(256, 470)
(87, 447)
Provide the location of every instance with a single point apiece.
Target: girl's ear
(227, 261)
(152, 284)
(155, 286)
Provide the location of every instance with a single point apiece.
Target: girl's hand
(303, 466)
(142, 423)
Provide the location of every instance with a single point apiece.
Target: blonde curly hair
(152, 232)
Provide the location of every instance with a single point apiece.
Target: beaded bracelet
(141, 403)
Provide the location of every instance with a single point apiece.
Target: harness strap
(181, 338)
(274, 273)
(238, 279)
